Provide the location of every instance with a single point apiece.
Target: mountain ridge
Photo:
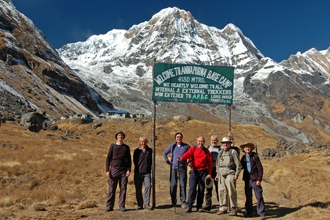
(173, 36)
(115, 71)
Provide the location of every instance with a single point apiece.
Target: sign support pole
(154, 138)
(229, 118)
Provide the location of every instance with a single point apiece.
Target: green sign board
(193, 83)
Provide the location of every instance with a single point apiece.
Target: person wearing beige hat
(118, 168)
(252, 177)
(228, 168)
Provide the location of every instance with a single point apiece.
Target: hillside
(61, 174)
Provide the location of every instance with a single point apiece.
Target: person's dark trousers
(115, 177)
(197, 178)
(208, 195)
(249, 185)
(139, 179)
(183, 185)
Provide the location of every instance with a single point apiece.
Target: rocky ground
(61, 175)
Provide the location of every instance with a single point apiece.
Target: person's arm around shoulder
(243, 163)
(237, 163)
(187, 155)
(136, 157)
(217, 164)
(210, 165)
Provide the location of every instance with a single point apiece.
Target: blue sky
(278, 28)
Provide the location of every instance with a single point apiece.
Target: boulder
(35, 121)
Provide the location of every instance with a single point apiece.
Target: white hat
(226, 139)
(208, 182)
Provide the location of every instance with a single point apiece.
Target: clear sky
(278, 28)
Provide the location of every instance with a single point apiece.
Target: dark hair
(177, 134)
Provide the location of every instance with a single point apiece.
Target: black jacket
(257, 170)
(142, 160)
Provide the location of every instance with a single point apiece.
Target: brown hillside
(61, 174)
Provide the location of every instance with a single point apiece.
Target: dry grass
(46, 176)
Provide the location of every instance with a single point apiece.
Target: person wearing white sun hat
(228, 168)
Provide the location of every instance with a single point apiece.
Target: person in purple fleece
(176, 150)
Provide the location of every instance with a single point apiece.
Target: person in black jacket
(142, 159)
(252, 176)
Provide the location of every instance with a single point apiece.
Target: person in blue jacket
(178, 169)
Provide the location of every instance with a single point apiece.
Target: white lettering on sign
(193, 91)
(164, 76)
(178, 71)
(223, 92)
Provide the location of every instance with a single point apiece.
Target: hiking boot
(122, 209)
(205, 209)
(148, 207)
(139, 208)
(247, 215)
(188, 210)
(109, 209)
(222, 212)
(233, 212)
(263, 217)
(184, 206)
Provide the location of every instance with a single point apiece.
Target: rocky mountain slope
(34, 76)
(290, 100)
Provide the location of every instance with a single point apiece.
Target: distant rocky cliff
(33, 72)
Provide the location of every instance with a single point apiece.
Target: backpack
(232, 164)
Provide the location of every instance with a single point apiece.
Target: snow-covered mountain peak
(119, 66)
(285, 99)
(174, 13)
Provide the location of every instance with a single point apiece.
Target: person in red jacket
(201, 168)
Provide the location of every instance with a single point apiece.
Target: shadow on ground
(274, 210)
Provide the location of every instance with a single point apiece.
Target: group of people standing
(118, 169)
(214, 165)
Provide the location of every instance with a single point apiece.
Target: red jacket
(200, 158)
